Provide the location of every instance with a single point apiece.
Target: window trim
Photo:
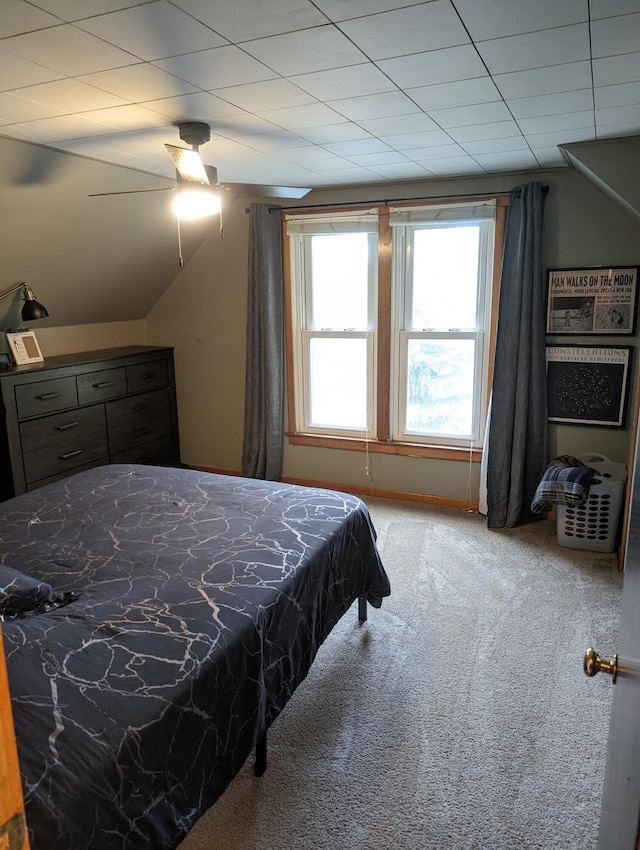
(384, 443)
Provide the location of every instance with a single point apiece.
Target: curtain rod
(387, 201)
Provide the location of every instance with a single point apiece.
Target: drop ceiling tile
(609, 8)
(153, 31)
(557, 78)
(298, 117)
(434, 66)
(559, 137)
(125, 118)
(328, 165)
(342, 10)
(357, 148)
(536, 50)
(274, 142)
(242, 20)
(374, 106)
(550, 157)
(351, 177)
(71, 10)
(316, 49)
(619, 115)
(69, 127)
(20, 17)
(269, 94)
(16, 72)
(344, 131)
(435, 152)
(139, 83)
(310, 155)
(453, 166)
(510, 143)
(551, 104)
(245, 125)
(616, 69)
(15, 109)
(414, 29)
(626, 94)
(217, 68)
(554, 123)
(399, 124)
(477, 132)
(380, 158)
(461, 93)
(72, 52)
(499, 18)
(613, 36)
(408, 141)
(353, 81)
(482, 113)
(200, 106)
(71, 96)
(28, 132)
(400, 171)
(612, 131)
(507, 160)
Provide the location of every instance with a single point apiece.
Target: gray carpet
(458, 717)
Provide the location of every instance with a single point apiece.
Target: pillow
(21, 594)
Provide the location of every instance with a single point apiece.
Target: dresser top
(81, 357)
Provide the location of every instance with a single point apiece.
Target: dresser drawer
(138, 410)
(45, 396)
(158, 452)
(66, 456)
(98, 386)
(137, 433)
(147, 376)
(61, 427)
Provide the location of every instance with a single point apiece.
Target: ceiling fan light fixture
(193, 202)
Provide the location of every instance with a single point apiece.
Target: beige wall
(203, 315)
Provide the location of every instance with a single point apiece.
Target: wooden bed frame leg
(261, 756)
(362, 609)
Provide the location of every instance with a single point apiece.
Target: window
(443, 265)
(390, 325)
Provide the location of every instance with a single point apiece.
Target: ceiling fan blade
(247, 190)
(188, 164)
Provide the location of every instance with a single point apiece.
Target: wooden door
(620, 814)
(13, 834)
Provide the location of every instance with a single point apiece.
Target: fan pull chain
(180, 257)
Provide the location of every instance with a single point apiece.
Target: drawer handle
(47, 396)
(142, 432)
(102, 384)
(149, 375)
(67, 455)
(66, 426)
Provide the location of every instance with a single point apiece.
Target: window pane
(338, 383)
(440, 386)
(445, 277)
(340, 281)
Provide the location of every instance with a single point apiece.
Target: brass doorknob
(594, 664)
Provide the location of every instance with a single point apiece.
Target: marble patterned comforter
(201, 603)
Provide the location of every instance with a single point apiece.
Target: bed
(171, 615)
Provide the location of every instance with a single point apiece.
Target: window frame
(384, 443)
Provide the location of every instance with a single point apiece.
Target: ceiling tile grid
(313, 93)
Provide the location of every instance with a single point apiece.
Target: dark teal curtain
(517, 441)
(262, 449)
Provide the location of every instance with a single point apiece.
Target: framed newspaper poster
(592, 300)
(588, 385)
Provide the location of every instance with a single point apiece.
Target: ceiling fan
(198, 191)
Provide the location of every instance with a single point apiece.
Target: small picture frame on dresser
(24, 347)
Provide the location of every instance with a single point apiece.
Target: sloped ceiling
(87, 259)
(613, 166)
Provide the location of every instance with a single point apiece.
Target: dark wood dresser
(76, 411)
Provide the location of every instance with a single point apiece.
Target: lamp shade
(32, 309)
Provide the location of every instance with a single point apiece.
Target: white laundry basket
(594, 525)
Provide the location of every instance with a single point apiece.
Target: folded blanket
(566, 481)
